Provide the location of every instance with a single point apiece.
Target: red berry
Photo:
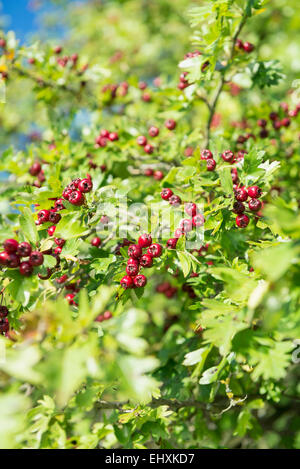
(51, 230)
(132, 267)
(85, 185)
(145, 240)
(228, 156)
(96, 242)
(248, 47)
(76, 198)
(60, 242)
(58, 250)
(166, 193)
(140, 281)
(191, 209)
(175, 200)
(264, 133)
(186, 225)
(170, 124)
(10, 246)
(273, 116)
(126, 282)
(198, 220)
(262, 122)
(141, 140)
(146, 97)
(59, 204)
(178, 233)
(2, 43)
(62, 279)
(158, 175)
(171, 243)
(66, 193)
(206, 154)
(148, 172)
(4, 258)
(43, 216)
(104, 133)
(113, 136)
(254, 192)
(54, 217)
(241, 194)
(58, 49)
(101, 141)
(4, 325)
(210, 164)
(107, 315)
(70, 298)
(24, 249)
(13, 261)
(135, 251)
(3, 312)
(26, 269)
(238, 207)
(146, 261)
(286, 122)
(242, 220)
(36, 258)
(277, 125)
(153, 131)
(148, 148)
(255, 205)
(35, 169)
(188, 151)
(155, 250)
(239, 44)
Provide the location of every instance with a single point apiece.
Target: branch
(174, 404)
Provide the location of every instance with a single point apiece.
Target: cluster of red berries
(14, 254)
(104, 317)
(73, 287)
(138, 259)
(167, 289)
(208, 157)
(183, 81)
(105, 137)
(245, 46)
(153, 131)
(157, 175)
(278, 120)
(36, 170)
(4, 322)
(241, 195)
(116, 90)
(93, 165)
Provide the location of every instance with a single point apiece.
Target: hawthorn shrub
(150, 229)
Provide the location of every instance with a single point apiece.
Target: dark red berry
(96, 242)
(146, 261)
(255, 205)
(242, 220)
(171, 243)
(264, 133)
(191, 209)
(206, 154)
(24, 249)
(35, 169)
(76, 198)
(62, 279)
(26, 269)
(198, 220)
(286, 122)
(241, 194)
(4, 325)
(166, 193)
(60, 242)
(273, 116)
(210, 164)
(36, 259)
(3, 312)
(148, 148)
(170, 124)
(238, 207)
(148, 172)
(135, 251)
(132, 267)
(54, 217)
(4, 258)
(140, 281)
(262, 122)
(155, 250)
(175, 200)
(51, 230)
(153, 131)
(141, 140)
(59, 204)
(126, 282)
(145, 240)
(10, 246)
(66, 193)
(43, 216)
(254, 192)
(13, 261)
(228, 156)
(248, 47)
(70, 298)
(85, 186)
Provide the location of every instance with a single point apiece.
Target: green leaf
(28, 226)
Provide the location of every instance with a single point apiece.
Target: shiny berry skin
(66, 193)
(70, 298)
(60, 242)
(132, 268)
(76, 198)
(126, 282)
(175, 200)
(36, 259)
(51, 230)
(24, 249)
(158, 175)
(35, 169)
(198, 220)
(255, 205)
(206, 154)
(141, 140)
(145, 240)
(59, 204)
(242, 221)
(155, 250)
(3, 312)
(104, 133)
(248, 47)
(153, 131)
(186, 225)
(58, 250)
(210, 164)
(254, 192)
(228, 156)
(135, 251)
(85, 186)
(10, 246)
(43, 216)
(170, 124)
(140, 281)
(54, 217)
(4, 258)
(113, 136)
(241, 194)
(96, 242)
(190, 208)
(26, 269)
(148, 148)
(146, 261)
(171, 243)
(13, 261)
(238, 207)
(166, 193)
